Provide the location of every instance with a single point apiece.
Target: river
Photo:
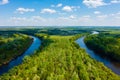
(34, 46)
(114, 66)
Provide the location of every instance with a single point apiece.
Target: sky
(59, 12)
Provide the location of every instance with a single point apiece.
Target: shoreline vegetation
(60, 58)
(12, 46)
(105, 44)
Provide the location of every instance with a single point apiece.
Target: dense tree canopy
(59, 58)
(105, 44)
(12, 46)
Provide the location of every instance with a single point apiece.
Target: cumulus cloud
(23, 10)
(94, 3)
(72, 17)
(115, 1)
(67, 8)
(27, 21)
(75, 8)
(37, 18)
(101, 17)
(17, 19)
(4, 2)
(58, 21)
(63, 20)
(85, 18)
(115, 15)
(97, 12)
(59, 5)
(47, 10)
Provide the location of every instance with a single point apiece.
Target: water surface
(114, 66)
(34, 46)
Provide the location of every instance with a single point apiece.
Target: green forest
(12, 46)
(58, 58)
(59, 39)
(106, 44)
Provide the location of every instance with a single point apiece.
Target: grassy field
(59, 58)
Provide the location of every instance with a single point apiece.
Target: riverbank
(60, 58)
(114, 66)
(18, 47)
(18, 60)
(107, 45)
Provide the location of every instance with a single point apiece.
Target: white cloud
(115, 15)
(75, 8)
(59, 5)
(63, 18)
(23, 10)
(4, 2)
(62, 13)
(17, 19)
(115, 1)
(86, 16)
(47, 10)
(67, 8)
(70, 8)
(37, 18)
(86, 20)
(73, 20)
(27, 21)
(97, 12)
(94, 3)
(24, 19)
(72, 17)
(66, 20)
(101, 17)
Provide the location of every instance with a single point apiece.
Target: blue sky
(59, 12)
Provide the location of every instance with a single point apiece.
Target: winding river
(34, 46)
(114, 66)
